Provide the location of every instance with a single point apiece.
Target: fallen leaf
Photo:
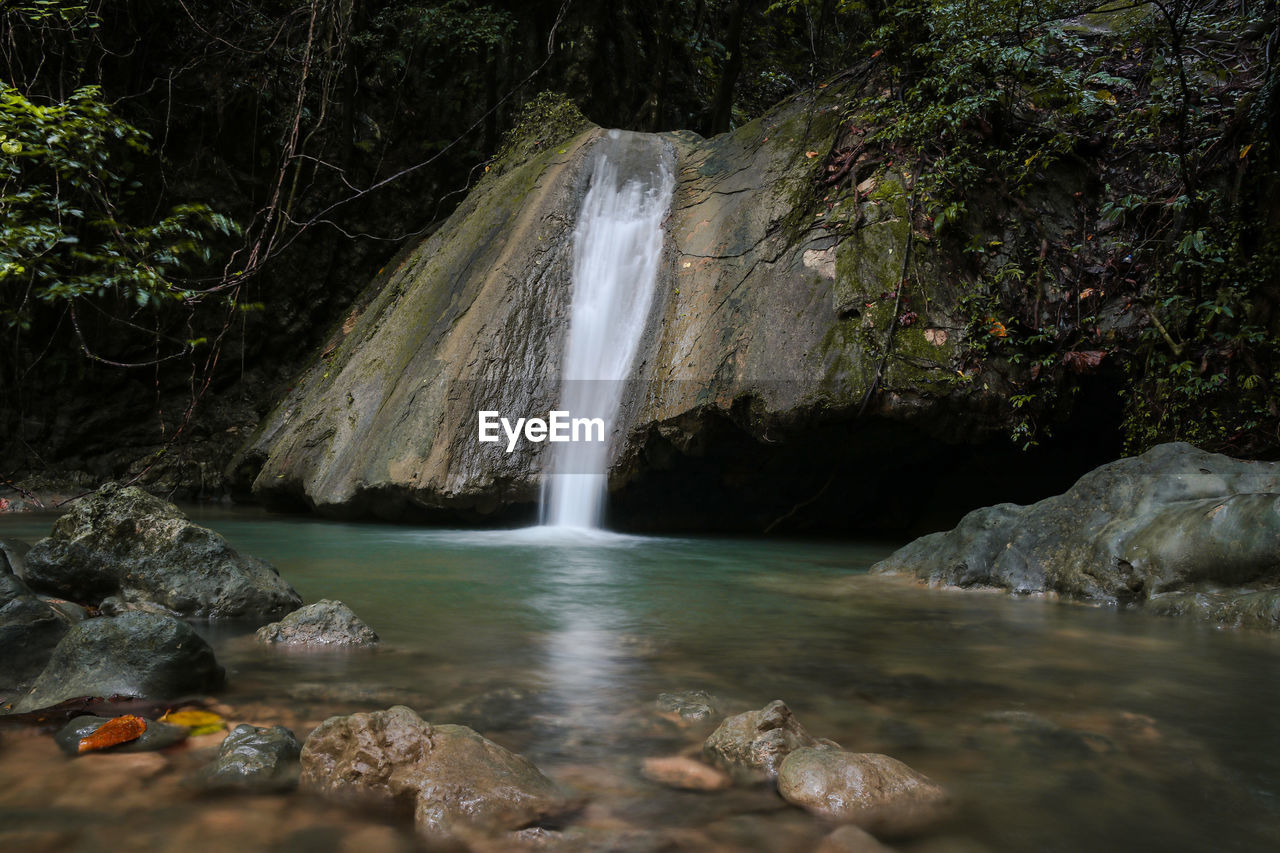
(196, 722)
(811, 154)
(113, 733)
(1244, 152)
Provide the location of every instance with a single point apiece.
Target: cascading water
(617, 246)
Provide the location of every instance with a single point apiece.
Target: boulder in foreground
(459, 783)
(325, 623)
(751, 745)
(136, 654)
(134, 551)
(876, 792)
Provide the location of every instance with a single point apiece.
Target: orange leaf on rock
(114, 732)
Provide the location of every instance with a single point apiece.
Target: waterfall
(617, 246)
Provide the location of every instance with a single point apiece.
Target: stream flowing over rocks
(762, 348)
(1177, 529)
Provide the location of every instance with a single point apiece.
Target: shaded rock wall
(774, 379)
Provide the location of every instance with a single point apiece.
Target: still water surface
(1057, 727)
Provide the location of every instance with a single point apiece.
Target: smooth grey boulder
(157, 735)
(30, 630)
(251, 757)
(1174, 519)
(751, 745)
(142, 553)
(325, 623)
(878, 793)
(136, 654)
(458, 783)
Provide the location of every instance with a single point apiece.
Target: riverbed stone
(751, 745)
(1175, 519)
(851, 839)
(136, 654)
(143, 553)
(30, 630)
(876, 792)
(457, 782)
(690, 705)
(684, 773)
(255, 758)
(157, 735)
(325, 623)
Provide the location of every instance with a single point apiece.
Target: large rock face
(135, 551)
(769, 325)
(1175, 522)
(456, 782)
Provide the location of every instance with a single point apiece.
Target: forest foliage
(189, 183)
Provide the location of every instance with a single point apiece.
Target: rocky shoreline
(98, 653)
(1176, 531)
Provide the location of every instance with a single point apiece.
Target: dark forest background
(194, 192)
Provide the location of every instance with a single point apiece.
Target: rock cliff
(778, 332)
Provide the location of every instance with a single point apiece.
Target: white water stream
(617, 246)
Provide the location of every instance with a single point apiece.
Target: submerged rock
(137, 654)
(265, 759)
(142, 552)
(879, 793)
(1175, 519)
(457, 782)
(157, 735)
(752, 745)
(851, 839)
(678, 771)
(325, 623)
(690, 705)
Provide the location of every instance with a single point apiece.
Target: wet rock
(457, 782)
(691, 705)
(687, 774)
(143, 553)
(156, 736)
(876, 792)
(498, 709)
(851, 839)
(325, 623)
(255, 758)
(137, 654)
(29, 631)
(752, 745)
(1238, 608)
(13, 554)
(1175, 519)
(70, 611)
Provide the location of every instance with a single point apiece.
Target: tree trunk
(722, 105)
